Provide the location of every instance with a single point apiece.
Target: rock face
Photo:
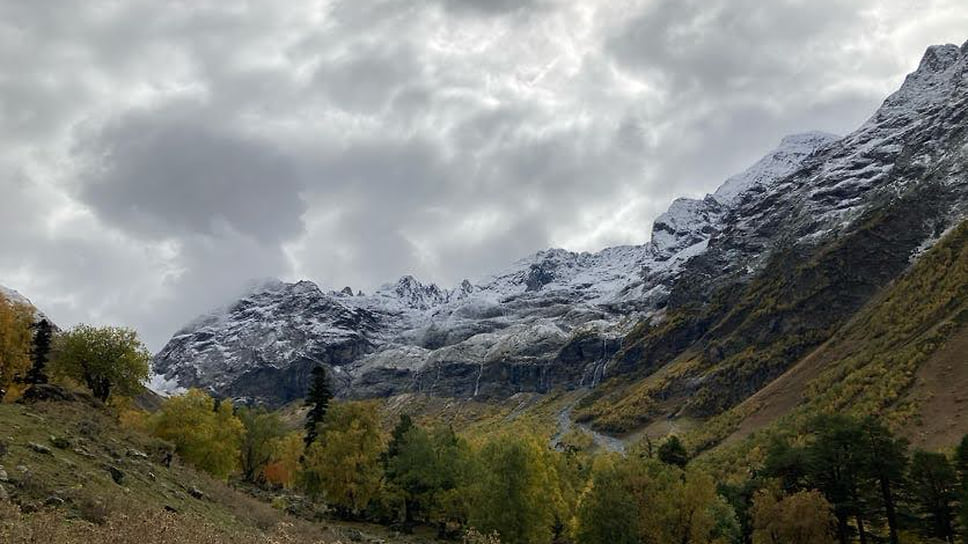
(558, 318)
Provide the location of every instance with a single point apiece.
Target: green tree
(106, 359)
(15, 341)
(673, 452)
(836, 464)
(205, 434)
(344, 465)
(885, 463)
(516, 492)
(933, 484)
(40, 352)
(317, 399)
(261, 430)
(608, 512)
(961, 467)
(411, 468)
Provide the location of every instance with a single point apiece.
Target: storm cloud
(155, 157)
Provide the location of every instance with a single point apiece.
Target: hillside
(70, 473)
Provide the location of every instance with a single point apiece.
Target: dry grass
(50, 527)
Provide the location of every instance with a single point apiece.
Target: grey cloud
(154, 159)
(165, 172)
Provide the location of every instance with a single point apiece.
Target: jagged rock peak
(415, 294)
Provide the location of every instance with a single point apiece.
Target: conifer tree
(40, 352)
(672, 452)
(933, 484)
(320, 393)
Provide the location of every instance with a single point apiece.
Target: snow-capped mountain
(13, 295)
(551, 318)
(557, 318)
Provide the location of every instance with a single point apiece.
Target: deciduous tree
(15, 341)
(106, 359)
(204, 433)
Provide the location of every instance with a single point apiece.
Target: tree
(317, 399)
(411, 467)
(886, 460)
(262, 428)
(516, 491)
(15, 340)
(105, 359)
(284, 466)
(608, 513)
(802, 518)
(673, 452)
(961, 467)
(933, 487)
(205, 434)
(344, 464)
(40, 352)
(836, 464)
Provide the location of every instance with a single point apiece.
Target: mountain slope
(551, 319)
(901, 182)
(732, 290)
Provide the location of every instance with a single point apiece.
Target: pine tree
(933, 483)
(40, 353)
(885, 465)
(672, 452)
(320, 393)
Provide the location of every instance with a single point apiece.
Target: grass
(65, 493)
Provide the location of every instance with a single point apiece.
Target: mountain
(15, 296)
(553, 318)
(731, 291)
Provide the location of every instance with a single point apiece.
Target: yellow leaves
(205, 435)
(344, 463)
(15, 342)
(801, 518)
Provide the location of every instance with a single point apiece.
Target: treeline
(877, 488)
(106, 360)
(839, 480)
(846, 480)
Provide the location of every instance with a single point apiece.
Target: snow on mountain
(14, 296)
(556, 317)
(411, 335)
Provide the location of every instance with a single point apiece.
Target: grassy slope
(68, 495)
(901, 357)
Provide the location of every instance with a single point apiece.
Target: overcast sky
(154, 156)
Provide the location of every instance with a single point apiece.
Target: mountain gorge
(732, 291)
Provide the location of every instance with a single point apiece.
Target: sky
(157, 156)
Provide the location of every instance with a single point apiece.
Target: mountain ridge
(564, 319)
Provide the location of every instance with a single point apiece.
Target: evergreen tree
(320, 393)
(933, 485)
(961, 467)
(673, 452)
(411, 468)
(40, 352)
(885, 464)
(836, 466)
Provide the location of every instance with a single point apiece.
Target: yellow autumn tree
(205, 435)
(15, 342)
(284, 465)
(517, 491)
(802, 518)
(343, 464)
